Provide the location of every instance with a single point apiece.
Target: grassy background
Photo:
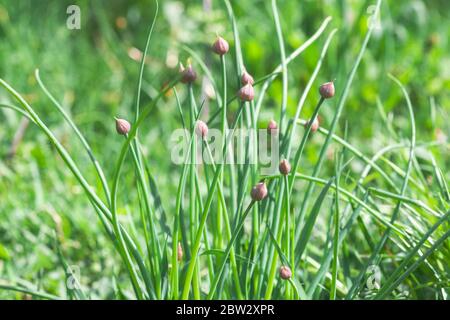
(93, 73)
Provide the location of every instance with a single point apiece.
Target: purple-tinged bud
(188, 74)
(220, 46)
(179, 252)
(246, 78)
(315, 124)
(285, 273)
(122, 126)
(285, 167)
(327, 90)
(201, 129)
(246, 93)
(272, 127)
(259, 191)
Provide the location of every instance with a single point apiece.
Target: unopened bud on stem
(246, 93)
(314, 125)
(285, 273)
(179, 252)
(201, 129)
(285, 167)
(259, 191)
(188, 74)
(246, 78)
(122, 126)
(220, 46)
(272, 127)
(327, 90)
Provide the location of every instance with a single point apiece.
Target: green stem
(228, 230)
(212, 188)
(228, 250)
(150, 239)
(287, 244)
(85, 185)
(279, 221)
(335, 243)
(192, 192)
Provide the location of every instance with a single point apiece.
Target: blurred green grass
(92, 73)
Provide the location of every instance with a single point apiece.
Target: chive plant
(236, 233)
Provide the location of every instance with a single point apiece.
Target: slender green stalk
(289, 59)
(17, 109)
(204, 216)
(152, 250)
(287, 228)
(175, 237)
(302, 99)
(131, 135)
(72, 166)
(300, 149)
(227, 229)
(334, 266)
(376, 214)
(395, 278)
(80, 136)
(142, 63)
(236, 232)
(284, 70)
(224, 127)
(34, 293)
(192, 191)
(340, 107)
(396, 212)
(277, 226)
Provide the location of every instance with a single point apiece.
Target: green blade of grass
(310, 222)
(80, 136)
(396, 212)
(400, 274)
(340, 107)
(34, 293)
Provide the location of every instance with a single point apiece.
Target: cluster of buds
(246, 93)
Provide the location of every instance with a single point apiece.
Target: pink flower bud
(122, 126)
(246, 93)
(285, 273)
(246, 78)
(272, 127)
(285, 167)
(327, 90)
(315, 125)
(201, 129)
(259, 191)
(220, 46)
(188, 74)
(179, 252)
